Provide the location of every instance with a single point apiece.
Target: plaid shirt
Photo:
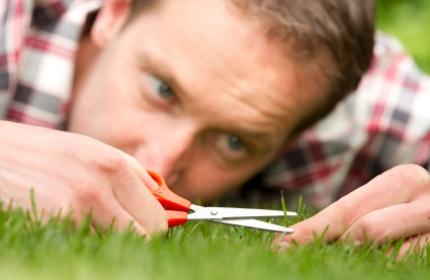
(384, 123)
(38, 44)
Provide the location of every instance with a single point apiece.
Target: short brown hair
(343, 28)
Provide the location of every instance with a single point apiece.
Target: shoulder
(393, 94)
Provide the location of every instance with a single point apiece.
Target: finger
(280, 243)
(141, 172)
(106, 212)
(415, 245)
(391, 223)
(395, 186)
(135, 197)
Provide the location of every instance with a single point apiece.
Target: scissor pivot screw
(214, 212)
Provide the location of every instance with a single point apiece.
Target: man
(207, 93)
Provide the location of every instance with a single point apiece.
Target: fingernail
(138, 229)
(283, 246)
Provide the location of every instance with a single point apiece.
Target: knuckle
(303, 233)
(158, 223)
(413, 171)
(161, 225)
(369, 230)
(109, 162)
(97, 155)
(346, 212)
(425, 208)
(413, 175)
(88, 194)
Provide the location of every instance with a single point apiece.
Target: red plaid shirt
(384, 123)
(38, 43)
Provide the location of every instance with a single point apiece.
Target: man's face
(195, 91)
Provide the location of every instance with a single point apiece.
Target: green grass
(408, 20)
(29, 250)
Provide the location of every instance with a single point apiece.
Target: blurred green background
(409, 21)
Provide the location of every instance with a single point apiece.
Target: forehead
(219, 56)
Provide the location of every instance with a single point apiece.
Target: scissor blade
(257, 224)
(216, 213)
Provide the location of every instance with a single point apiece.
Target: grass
(408, 20)
(29, 250)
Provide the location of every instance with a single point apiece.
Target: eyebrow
(161, 68)
(262, 140)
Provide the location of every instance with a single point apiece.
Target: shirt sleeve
(386, 122)
(40, 40)
(15, 19)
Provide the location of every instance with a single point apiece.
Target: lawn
(196, 251)
(204, 250)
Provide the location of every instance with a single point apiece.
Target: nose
(167, 153)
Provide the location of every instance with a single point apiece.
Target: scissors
(180, 210)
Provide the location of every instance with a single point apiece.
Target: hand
(392, 206)
(76, 175)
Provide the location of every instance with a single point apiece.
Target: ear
(109, 21)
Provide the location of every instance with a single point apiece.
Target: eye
(234, 143)
(232, 147)
(162, 89)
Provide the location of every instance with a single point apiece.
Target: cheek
(105, 108)
(123, 126)
(108, 71)
(101, 116)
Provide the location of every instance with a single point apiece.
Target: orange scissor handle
(167, 198)
(176, 218)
